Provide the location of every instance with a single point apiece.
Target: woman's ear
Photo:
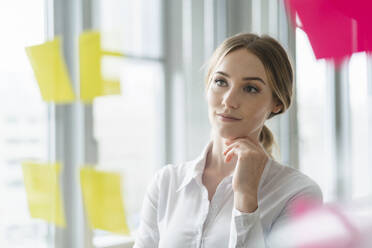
(277, 108)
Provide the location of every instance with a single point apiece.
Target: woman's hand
(251, 160)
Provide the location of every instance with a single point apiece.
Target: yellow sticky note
(43, 191)
(111, 87)
(51, 72)
(90, 66)
(103, 200)
(91, 82)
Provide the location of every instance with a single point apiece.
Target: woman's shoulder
(173, 173)
(291, 180)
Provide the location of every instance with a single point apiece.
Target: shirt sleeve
(246, 228)
(147, 235)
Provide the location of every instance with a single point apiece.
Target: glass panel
(127, 127)
(314, 118)
(362, 185)
(23, 121)
(131, 27)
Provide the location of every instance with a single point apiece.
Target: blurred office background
(161, 115)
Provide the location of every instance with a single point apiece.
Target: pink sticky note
(359, 11)
(307, 207)
(336, 28)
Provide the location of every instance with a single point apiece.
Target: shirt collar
(195, 167)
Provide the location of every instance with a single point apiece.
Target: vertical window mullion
(197, 124)
(288, 125)
(89, 144)
(342, 133)
(369, 97)
(68, 129)
(169, 47)
(256, 16)
(369, 102)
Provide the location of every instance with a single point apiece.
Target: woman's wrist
(245, 203)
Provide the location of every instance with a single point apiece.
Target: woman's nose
(231, 99)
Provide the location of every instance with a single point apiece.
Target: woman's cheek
(212, 97)
(260, 116)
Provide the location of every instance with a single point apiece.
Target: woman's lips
(227, 118)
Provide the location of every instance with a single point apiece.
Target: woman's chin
(229, 134)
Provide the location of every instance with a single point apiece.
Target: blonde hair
(277, 66)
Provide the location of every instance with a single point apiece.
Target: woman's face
(239, 96)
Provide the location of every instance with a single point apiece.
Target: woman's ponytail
(267, 140)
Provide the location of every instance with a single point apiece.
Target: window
(320, 152)
(126, 131)
(360, 126)
(128, 127)
(314, 117)
(23, 129)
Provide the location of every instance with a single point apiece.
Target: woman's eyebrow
(244, 78)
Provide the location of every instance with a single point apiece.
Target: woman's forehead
(241, 63)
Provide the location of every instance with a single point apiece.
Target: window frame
(186, 46)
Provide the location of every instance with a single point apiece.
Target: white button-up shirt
(176, 211)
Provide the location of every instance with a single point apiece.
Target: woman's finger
(243, 143)
(229, 155)
(229, 148)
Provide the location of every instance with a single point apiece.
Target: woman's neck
(215, 162)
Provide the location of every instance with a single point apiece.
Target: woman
(234, 194)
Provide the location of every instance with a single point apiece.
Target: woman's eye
(251, 89)
(220, 82)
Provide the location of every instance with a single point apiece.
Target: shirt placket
(211, 208)
(205, 208)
